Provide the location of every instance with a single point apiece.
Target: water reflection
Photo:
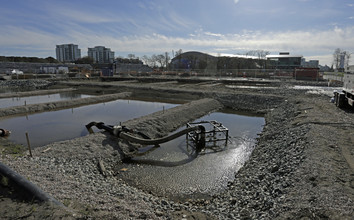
(47, 127)
(18, 101)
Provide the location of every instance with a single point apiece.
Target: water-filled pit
(176, 171)
(171, 170)
(18, 101)
(47, 127)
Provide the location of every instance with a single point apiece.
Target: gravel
(30, 84)
(297, 170)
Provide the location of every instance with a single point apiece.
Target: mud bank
(301, 168)
(33, 93)
(252, 100)
(50, 106)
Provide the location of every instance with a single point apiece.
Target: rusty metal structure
(216, 135)
(199, 135)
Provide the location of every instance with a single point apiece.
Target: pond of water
(48, 127)
(17, 101)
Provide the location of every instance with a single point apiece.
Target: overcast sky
(312, 28)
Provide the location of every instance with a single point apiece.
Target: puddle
(47, 127)
(175, 171)
(319, 90)
(250, 87)
(18, 101)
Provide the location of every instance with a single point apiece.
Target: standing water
(176, 171)
(47, 127)
(18, 101)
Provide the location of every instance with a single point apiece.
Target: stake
(29, 145)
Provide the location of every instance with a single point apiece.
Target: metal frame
(215, 134)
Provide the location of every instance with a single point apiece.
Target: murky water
(178, 172)
(18, 101)
(47, 127)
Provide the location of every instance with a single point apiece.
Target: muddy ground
(301, 168)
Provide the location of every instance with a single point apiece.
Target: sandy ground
(301, 168)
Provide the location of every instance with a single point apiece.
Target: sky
(312, 28)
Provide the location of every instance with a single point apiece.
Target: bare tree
(260, 54)
(178, 52)
(341, 59)
(168, 58)
(347, 56)
(145, 59)
(337, 57)
(131, 56)
(161, 59)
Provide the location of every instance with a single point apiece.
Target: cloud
(213, 34)
(317, 44)
(236, 1)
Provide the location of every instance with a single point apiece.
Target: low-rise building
(54, 69)
(284, 61)
(350, 69)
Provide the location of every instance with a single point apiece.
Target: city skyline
(312, 28)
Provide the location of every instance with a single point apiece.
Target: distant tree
(178, 52)
(145, 59)
(3, 59)
(51, 60)
(260, 54)
(150, 61)
(168, 59)
(341, 59)
(85, 60)
(161, 59)
(131, 56)
(336, 57)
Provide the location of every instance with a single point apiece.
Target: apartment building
(67, 52)
(101, 54)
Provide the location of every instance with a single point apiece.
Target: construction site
(249, 148)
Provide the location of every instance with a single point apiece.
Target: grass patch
(4, 181)
(9, 148)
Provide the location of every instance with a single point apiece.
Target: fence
(246, 73)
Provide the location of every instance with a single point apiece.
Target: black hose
(129, 137)
(22, 185)
(123, 133)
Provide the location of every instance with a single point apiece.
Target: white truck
(17, 72)
(345, 98)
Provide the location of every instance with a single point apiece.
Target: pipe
(122, 132)
(129, 137)
(23, 185)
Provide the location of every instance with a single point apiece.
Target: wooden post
(29, 145)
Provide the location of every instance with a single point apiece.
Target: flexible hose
(131, 138)
(123, 133)
(22, 185)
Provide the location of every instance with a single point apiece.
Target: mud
(33, 93)
(301, 168)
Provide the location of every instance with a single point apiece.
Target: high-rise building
(68, 52)
(101, 54)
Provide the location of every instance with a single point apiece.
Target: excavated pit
(299, 168)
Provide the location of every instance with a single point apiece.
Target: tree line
(28, 59)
